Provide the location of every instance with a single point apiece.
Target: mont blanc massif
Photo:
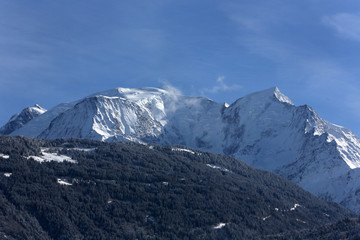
(263, 129)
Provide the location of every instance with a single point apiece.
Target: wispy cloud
(173, 91)
(297, 58)
(294, 63)
(346, 24)
(252, 17)
(221, 86)
(252, 24)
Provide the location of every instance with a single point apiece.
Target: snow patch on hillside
(220, 225)
(4, 156)
(51, 156)
(63, 182)
(218, 167)
(295, 206)
(182, 150)
(83, 149)
(298, 220)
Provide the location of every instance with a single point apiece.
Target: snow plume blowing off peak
(173, 94)
(264, 129)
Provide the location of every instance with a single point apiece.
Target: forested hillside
(131, 191)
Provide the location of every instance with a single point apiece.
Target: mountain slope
(19, 120)
(128, 191)
(264, 129)
(348, 229)
(110, 116)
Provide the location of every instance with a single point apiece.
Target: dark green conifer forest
(132, 191)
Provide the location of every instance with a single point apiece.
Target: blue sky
(59, 51)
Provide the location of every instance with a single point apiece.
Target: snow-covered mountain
(19, 120)
(264, 129)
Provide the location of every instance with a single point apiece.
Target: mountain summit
(264, 129)
(19, 120)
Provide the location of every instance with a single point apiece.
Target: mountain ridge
(264, 129)
(19, 120)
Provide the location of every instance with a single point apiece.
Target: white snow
(37, 109)
(281, 97)
(4, 156)
(49, 156)
(19, 120)
(218, 167)
(40, 123)
(347, 144)
(295, 206)
(7, 174)
(63, 182)
(182, 150)
(298, 220)
(263, 129)
(220, 225)
(83, 149)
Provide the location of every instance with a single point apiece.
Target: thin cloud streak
(346, 24)
(251, 24)
(173, 91)
(221, 86)
(307, 66)
(311, 72)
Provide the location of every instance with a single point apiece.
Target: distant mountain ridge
(19, 120)
(264, 129)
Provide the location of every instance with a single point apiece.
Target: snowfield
(50, 156)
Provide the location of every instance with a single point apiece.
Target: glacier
(264, 129)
